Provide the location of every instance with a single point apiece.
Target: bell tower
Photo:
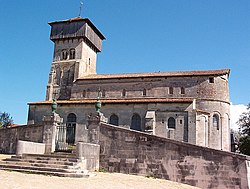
(76, 44)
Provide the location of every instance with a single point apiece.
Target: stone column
(94, 122)
(49, 131)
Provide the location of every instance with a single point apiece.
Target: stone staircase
(56, 164)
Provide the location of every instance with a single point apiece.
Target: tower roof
(77, 28)
(79, 19)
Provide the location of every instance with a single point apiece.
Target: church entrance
(70, 129)
(65, 134)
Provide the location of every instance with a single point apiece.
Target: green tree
(5, 120)
(244, 130)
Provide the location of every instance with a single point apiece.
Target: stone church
(188, 106)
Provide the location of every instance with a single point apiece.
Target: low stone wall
(132, 152)
(89, 155)
(10, 136)
(26, 147)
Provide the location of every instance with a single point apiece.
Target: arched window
(88, 93)
(84, 93)
(211, 79)
(114, 120)
(171, 123)
(170, 90)
(136, 122)
(182, 90)
(216, 121)
(71, 127)
(71, 118)
(103, 93)
(64, 55)
(144, 92)
(123, 92)
(72, 54)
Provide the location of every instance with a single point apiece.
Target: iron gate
(61, 133)
(70, 133)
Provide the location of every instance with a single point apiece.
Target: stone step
(47, 157)
(60, 174)
(19, 159)
(57, 164)
(54, 155)
(41, 164)
(49, 169)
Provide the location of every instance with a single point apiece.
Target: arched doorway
(71, 127)
(136, 122)
(171, 123)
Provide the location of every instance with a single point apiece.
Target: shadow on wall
(133, 152)
(10, 136)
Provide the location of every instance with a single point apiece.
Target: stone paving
(16, 180)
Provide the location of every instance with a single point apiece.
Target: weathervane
(81, 4)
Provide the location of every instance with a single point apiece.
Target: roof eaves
(156, 74)
(115, 101)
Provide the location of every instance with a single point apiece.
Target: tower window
(88, 93)
(103, 93)
(170, 90)
(64, 55)
(211, 79)
(123, 92)
(182, 90)
(72, 54)
(89, 61)
(144, 92)
(84, 93)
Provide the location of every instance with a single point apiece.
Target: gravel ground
(16, 180)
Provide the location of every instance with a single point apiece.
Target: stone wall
(133, 152)
(195, 86)
(10, 136)
(27, 147)
(188, 127)
(185, 130)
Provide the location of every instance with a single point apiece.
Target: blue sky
(142, 36)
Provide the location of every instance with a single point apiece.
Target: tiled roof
(70, 20)
(114, 101)
(202, 111)
(14, 125)
(158, 74)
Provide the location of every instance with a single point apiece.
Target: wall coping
(20, 126)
